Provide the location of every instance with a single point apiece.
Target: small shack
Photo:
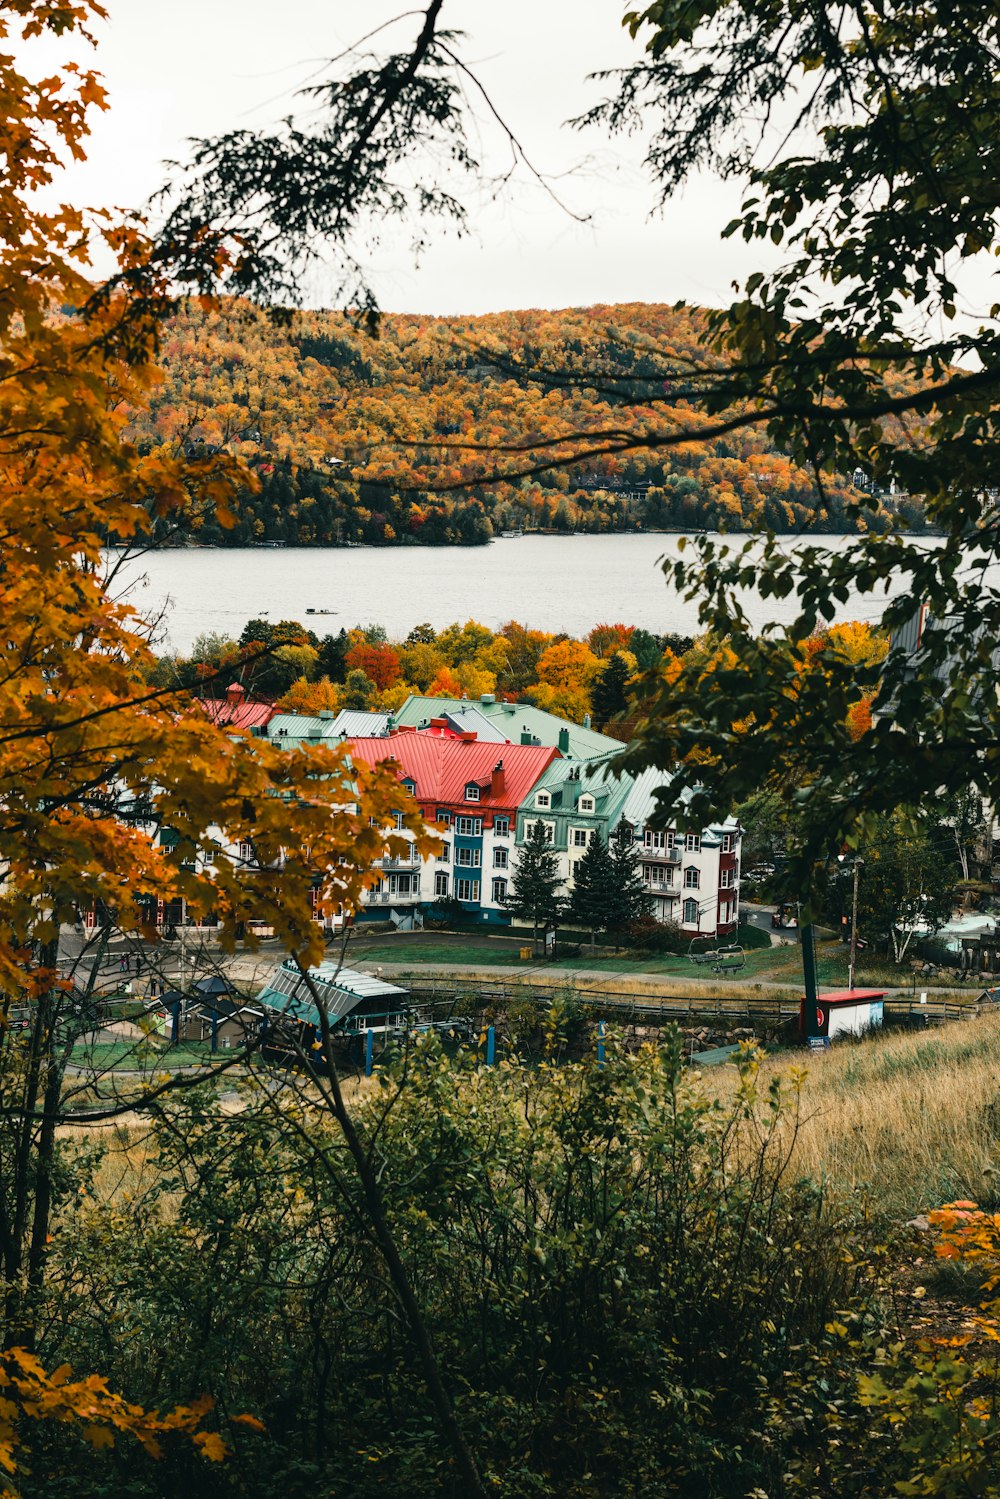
(354, 1002)
(846, 1012)
(222, 1021)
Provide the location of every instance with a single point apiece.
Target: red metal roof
(442, 768)
(245, 714)
(851, 996)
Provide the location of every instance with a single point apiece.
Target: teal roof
(340, 990)
(513, 720)
(297, 728)
(566, 780)
(642, 805)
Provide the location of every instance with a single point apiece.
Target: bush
(656, 936)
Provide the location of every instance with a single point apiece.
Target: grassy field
(138, 1056)
(910, 1120)
(777, 965)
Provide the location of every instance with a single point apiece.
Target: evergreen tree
(629, 899)
(608, 695)
(533, 894)
(593, 887)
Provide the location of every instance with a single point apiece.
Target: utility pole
(854, 926)
(811, 1021)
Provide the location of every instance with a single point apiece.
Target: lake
(552, 583)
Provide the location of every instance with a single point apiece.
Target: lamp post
(852, 959)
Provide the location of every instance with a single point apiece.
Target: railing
(654, 1008)
(660, 855)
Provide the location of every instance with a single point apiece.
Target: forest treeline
(600, 678)
(359, 439)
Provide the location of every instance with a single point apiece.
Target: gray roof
(355, 723)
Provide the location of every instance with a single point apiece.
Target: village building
(694, 878)
(573, 801)
(472, 792)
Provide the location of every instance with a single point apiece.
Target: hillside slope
(360, 439)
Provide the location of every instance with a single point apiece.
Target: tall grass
(911, 1120)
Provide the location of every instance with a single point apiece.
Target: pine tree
(533, 894)
(629, 900)
(593, 887)
(607, 694)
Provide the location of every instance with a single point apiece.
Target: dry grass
(912, 1120)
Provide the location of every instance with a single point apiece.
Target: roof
(293, 728)
(340, 990)
(351, 723)
(850, 996)
(568, 780)
(243, 714)
(441, 769)
(641, 805)
(467, 719)
(512, 720)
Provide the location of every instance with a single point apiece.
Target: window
(467, 889)
(444, 855)
(499, 892)
(656, 841)
(441, 883)
(692, 878)
(690, 913)
(727, 843)
(208, 857)
(469, 858)
(410, 786)
(500, 858)
(581, 837)
(246, 853)
(724, 912)
(726, 879)
(471, 793)
(692, 843)
(399, 819)
(444, 818)
(501, 827)
(586, 804)
(529, 828)
(469, 827)
(542, 799)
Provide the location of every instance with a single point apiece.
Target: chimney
(564, 741)
(525, 737)
(234, 694)
(497, 781)
(487, 697)
(586, 720)
(326, 714)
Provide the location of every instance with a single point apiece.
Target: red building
(472, 791)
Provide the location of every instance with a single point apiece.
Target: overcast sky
(198, 67)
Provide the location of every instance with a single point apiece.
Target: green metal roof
(340, 990)
(513, 719)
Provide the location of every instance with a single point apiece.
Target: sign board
(819, 1043)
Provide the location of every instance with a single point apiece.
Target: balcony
(660, 855)
(403, 861)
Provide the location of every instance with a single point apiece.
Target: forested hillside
(360, 439)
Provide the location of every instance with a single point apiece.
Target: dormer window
(472, 793)
(410, 786)
(586, 804)
(542, 799)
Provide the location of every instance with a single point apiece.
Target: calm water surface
(553, 583)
